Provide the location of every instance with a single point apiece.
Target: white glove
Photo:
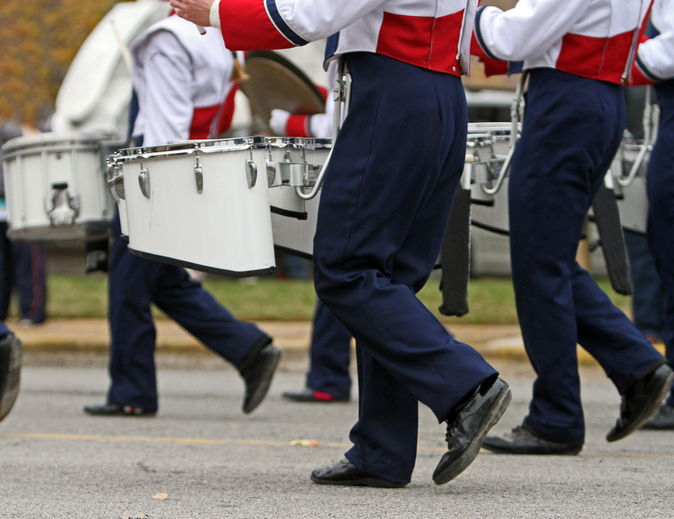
(278, 121)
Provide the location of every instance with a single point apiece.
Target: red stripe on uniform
(202, 118)
(245, 25)
(296, 126)
(596, 58)
(228, 111)
(201, 122)
(423, 41)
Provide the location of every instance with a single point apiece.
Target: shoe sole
(516, 451)
(463, 461)
(144, 414)
(363, 482)
(302, 400)
(648, 411)
(262, 389)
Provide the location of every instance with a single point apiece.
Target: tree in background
(38, 40)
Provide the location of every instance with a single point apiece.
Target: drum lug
(144, 181)
(61, 207)
(199, 176)
(251, 173)
(273, 179)
(115, 181)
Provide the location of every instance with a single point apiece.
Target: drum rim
(208, 146)
(51, 140)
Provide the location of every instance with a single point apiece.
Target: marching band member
(328, 379)
(655, 65)
(11, 352)
(184, 91)
(384, 205)
(576, 54)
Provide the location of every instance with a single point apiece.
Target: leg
(560, 163)
(647, 299)
(30, 280)
(185, 301)
(660, 184)
(397, 432)
(330, 355)
(5, 272)
(376, 242)
(131, 284)
(242, 344)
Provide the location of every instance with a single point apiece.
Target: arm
(528, 29)
(274, 24)
(166, 95)
(655, 61)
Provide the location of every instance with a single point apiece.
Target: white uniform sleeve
(165, 97)
(279, 24)
(316, 19)
(656, 56)
(529, 29)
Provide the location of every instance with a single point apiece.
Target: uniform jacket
(183, 83)
(655, 61)
(589, 38)
(432, 34)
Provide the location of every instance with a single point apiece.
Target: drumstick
(202, 30)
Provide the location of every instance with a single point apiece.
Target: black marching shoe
(662, 420)
(11, 355)
(640, 401)
(346, 473)
(469, 425)
(116, 410)
(258, 374)
(522, 440)
(313, 396)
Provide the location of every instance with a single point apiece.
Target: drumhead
(50, 141)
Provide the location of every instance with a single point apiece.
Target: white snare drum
(206, 204)
(632, 198)
(487, 147)
(55, 188)
(293, 218)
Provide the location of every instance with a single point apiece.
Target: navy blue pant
(134, 284)
(330, 354)
(571, 131)
(22, 267)
(648, 307)
(660, 185)
(384, 206)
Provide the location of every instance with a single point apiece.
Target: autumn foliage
(38, 40)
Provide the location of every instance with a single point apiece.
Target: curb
(493, 342)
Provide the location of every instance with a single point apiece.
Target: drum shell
(485, 141)
(225, 228)
(35, 168)
(295, 234)
(633, 202)
(293, 218)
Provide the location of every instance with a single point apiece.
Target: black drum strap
(607, 218)
(455, 257)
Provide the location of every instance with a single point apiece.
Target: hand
(278, 120)
(196, 11)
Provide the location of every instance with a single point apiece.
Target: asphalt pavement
(200, 457)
